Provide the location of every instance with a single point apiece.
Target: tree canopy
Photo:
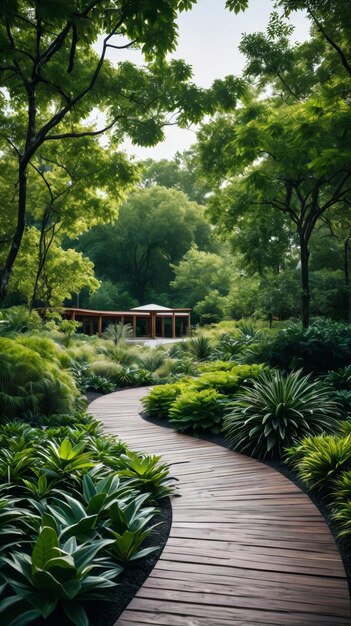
(52, 79)
(154, 229)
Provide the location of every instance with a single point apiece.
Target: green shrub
(31, 384)
(344, 428)
(342, 488)
(320, 461)
(229, 347)
(106, 369)
(321, 347)
(276, 412)
(340, 382)
(343, 398)
(198, 411)
(146, 472)
(341, 379)
(228, 382)
(216, 366)
(123, 354)
(19, 319)
(46, 348)
(177, 367)
(160, 399)
(152, 360)
(82, 353)
(134, 377)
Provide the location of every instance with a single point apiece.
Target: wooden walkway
(247, 547)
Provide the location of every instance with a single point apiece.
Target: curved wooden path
(247, 547)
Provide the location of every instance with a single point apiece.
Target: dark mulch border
(135, 573)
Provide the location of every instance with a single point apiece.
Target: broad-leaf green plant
(55, 574)
(148, 474)
(160, 399)
(198, 411)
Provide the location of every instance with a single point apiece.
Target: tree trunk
(17, 238)
(305, 282)
(347, 276)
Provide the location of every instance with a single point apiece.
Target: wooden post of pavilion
(153, 325)
(173, 326)
(189, 325)
(134, 326)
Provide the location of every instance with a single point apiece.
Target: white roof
(151, 307)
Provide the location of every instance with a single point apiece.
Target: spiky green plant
(123, 354)
(341, 379)
(19, 319)
(152, 360)
(278, 411)
(118, 333)
(148, 474)
(342, 488)
(320, 461)
(342, 518)
(200, 347)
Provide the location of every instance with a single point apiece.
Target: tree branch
(334, 45)
(287, 86)
(11, 144)
(127, 45)
(88, 133)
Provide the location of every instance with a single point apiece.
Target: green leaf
(44, 581)
(76, 613)
(84, 554)
(65, 450)
(65, 562)
(45, 548)
(72, 588)
(43, 603)
(96, 503)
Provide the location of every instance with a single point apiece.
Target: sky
(209, 36)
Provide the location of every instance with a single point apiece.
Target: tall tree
(154, 229)
(180, 173)
(294, 158)
(52, 79)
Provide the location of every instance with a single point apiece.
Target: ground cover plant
(76, 506)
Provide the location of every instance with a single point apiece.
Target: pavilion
(150, 320)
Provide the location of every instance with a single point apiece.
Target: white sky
(209, 36)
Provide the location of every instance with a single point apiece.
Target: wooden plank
(247, 547)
